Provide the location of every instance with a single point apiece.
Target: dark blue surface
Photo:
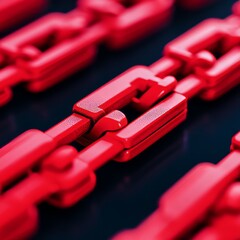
(126, 193)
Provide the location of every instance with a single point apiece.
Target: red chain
(206, 63)
(49, 50)
(204, 204)
(13, 11)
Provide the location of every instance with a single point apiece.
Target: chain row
(204, 204)
(13, 11)
(41, 166)
(49, 50)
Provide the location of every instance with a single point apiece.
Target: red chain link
(204, 204)
(41, 166)
(58, 45)
(13, 11)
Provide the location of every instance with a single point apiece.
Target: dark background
(126, 193)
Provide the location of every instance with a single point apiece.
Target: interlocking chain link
(41, 166)
(54, 47)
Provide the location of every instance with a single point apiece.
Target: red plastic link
(14, 11)
(44, 167)
(204, 204)
(58, 45)
(124, 90)
(211, 52)
(56, 49)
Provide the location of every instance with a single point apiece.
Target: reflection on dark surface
(126, 192)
